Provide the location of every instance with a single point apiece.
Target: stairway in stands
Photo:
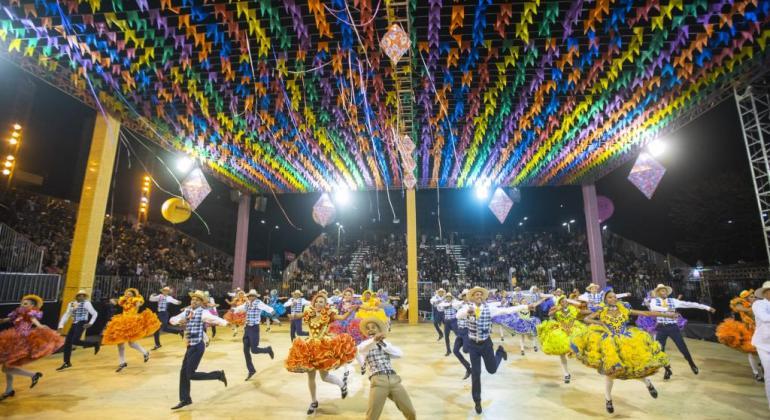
(357, 259)
(462, 262)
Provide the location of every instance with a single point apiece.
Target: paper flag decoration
(606, 208)
(324, 210)
(195, 188)
(646, 174)
(395, 42)
(500, 205)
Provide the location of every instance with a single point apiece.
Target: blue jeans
(251, 345)
(296, 329)
(460, 340)
(478, 351)
(449, 326)
(192, 358)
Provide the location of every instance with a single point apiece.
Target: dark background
(704, 209)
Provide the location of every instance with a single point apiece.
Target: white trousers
(764, 356)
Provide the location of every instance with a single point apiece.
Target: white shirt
(261, 305)
(366, 345)
(494, 310)
(761, 338)
(676, 304)
(206, 317)
(71, 311)
(435, 301)
(155, 298)
(291, 301)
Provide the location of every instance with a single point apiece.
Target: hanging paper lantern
(410, 181)
(606, 208)
(500, 205)
(395, 42)
(176, 210)
(646, 174)
(195, 188)
(324, 210)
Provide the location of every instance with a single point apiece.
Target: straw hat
(318, 295)
(200, 295)
(759, 292)
(296, 293)
(448, 296)
(484, 292)
(662, 286)
(440, 290)
(592, 285)
(366, 321)
(37, 299)
(463, 293)
(252, 292)
(82, 292)
(134, 291)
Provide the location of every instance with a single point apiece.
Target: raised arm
(347, 314)
(154, 297)
(173, 301)
(213, 319)
(241, 308)
(654, 313)
(761, 311)
(179, 319)
(269, 309)
(592, 318)
(691, 305)
(65, 317)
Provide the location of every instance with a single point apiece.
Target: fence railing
(15, 285)
(106, 287)
(17, 253)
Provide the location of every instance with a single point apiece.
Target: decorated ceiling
(313, 95)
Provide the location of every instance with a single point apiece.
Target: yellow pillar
(93, 205)
(411, 255)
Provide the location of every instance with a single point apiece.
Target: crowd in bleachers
(127, 249)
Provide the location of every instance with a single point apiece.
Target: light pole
(340, 228)
(14, 141)
(568, 225)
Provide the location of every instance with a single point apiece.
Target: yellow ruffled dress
(130, 325)
(555, 334)
(616, 349)
(371, 309)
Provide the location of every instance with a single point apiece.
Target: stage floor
(525, 387)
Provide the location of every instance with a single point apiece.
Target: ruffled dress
(236, 318)
(130, 325)
(24, 342)
(277, 307)
(518, 323)
(555, 334)
(616, 349)
(371, 309)
(320, 350)
(350, 325)
(389, 309)
(737, 334)
(650, 323)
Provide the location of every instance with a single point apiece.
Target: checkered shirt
(81, 313)
(194, 329)
(253, 313)
(377, 361)
(479, 328)
(162, 303)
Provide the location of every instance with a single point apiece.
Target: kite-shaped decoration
(324, 210)
(500, 205)
(195, 188)
(410, 181)
(646, 174)
(606, 208)
(395, 42)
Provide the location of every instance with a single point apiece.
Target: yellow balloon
(176, 210)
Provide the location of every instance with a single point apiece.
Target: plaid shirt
(162, 304)
(194, 329)
(450, 313)
(81, 313)
(666, 303)
(462, 322)
(479, 328)
(253, 313)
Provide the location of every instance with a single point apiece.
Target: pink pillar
(594, 235)
(241, 241)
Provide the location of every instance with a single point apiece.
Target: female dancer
(130, 325)
(278, 309)
(321, 351)
(555, 334)
(236, 319)
(371, 307)
(23, 343)
(617, 350)
(506, 300)
(388, 307)
(521, 323)
(737, 334)
(351, 324)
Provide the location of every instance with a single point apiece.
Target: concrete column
(411, 255)
(594, 235)
(241, 242)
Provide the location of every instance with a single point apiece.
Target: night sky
(58, 128)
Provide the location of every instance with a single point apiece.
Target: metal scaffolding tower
(754, 109)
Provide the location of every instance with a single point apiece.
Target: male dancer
(193, 318)
(594, 297)
(384, 382)
(253, 309)
(296, 303)
(667, 327)
(461, 335)
(479, 317)
(163, 300)
(79, 310)
(438, 314)
(450, 319)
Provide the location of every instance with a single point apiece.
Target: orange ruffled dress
(320, 350)
(24, 342)
(130, 325)
(737, 334)
(236, 318)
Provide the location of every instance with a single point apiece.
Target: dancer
(80, 309)
(22, 343)
(336, 297)
(253, 310)
(212, 308)
(130, 326)
(461, 336)
(505, 301)
(650, 323)
(450, 319)
(667, 326)
(296, 304)
(371, 307)
(761, 338)
(278, 309)
(384, 382)
(556, 333)
(521, 323)
(193, 320)
(617, 350)
(320, 351)
(479, 317)
(594, 296)
(236, 320)
(351, 324)
(163, 300)
(438, 314)
(390, 310)
(738, 334)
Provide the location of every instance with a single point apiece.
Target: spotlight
(6, 172)
(262, 221)
(12, 141)
(17, 127)
(604, 227)
(184, 164)
(657, 147)
(521, 223)
(572, 221)
(482, 192)
(9, 157)
(342, 196)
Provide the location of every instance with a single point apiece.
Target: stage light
(525, 217)
(342, 196)
(13, 141)
(564, 224)
(262, 221)
(17, 127)
(9, 157)
(15, 134)
(604, 227)
(482, 192)
(6, 172)
(8, 164)
(276, 227)
(657, 147)
(521, 223)
(184, 163)
(572, 221)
